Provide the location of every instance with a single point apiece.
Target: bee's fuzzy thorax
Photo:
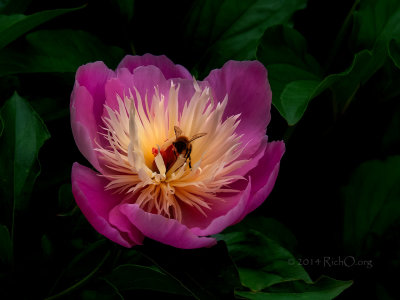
(147, 162)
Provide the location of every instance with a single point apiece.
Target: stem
(346, 105)
(12, 224)
(288, 133)
(114, 288)
(169, 274)
(82, 281)
(340, 35)
(89, 249)
(116, 258)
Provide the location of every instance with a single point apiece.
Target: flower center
(170, 160)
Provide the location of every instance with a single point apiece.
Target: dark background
(323, 150)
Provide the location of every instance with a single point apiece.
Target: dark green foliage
(334, 70)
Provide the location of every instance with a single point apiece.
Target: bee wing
(196, 136)
(178, 131)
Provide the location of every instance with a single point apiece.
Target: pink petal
(229, 215)
(84, 125)
(167, 231)
(234, 209)
(224, 213)
(115, 87)
(249, 95)
(94, 76)
(96, 204)
(253, 158)
(144, 79)
(186, 91)
(121, 222)
(167, 67)
(265, 174)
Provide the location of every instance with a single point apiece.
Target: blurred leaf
(297, 94)
(207, 273)
(132, 277)
(371, 202)
(324, 288)
(23, 135)
(261, 261)
(283, 51)
(394, 51)
(82, 264)
(9, 7)
(345, 84)
(85, 261)
(126, 8)
(103, 292)
(382, 293)
(51, 109)
(269, 227)
(13, 26)
(391, 135)
(284, 45)
(82, 281)
(3, 4)
(376, 21)
(47, 52)
(65, 199)
(295, 76)
(6, 246)
(223, 30)
(47, 247)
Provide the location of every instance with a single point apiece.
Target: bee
(181, 146)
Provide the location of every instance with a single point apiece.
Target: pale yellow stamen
(133, 131)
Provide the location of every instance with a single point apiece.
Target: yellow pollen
(137, 135)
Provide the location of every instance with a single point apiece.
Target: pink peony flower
(177, 160)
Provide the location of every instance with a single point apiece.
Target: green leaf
(126, 8)
(82, 264)
(297, 94)
(207, 273)
(295, 76)
(47, 52)
(371, 202)
(223, 30)
(295, 97)
(6, 246)
(133, 277)
(376, 21)
(82, 281)
(269, 227)
(324, 288)
(394, 51)
(23, 135)
(261, 261)
(283, 51)
(284, 45)
(13, 26)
